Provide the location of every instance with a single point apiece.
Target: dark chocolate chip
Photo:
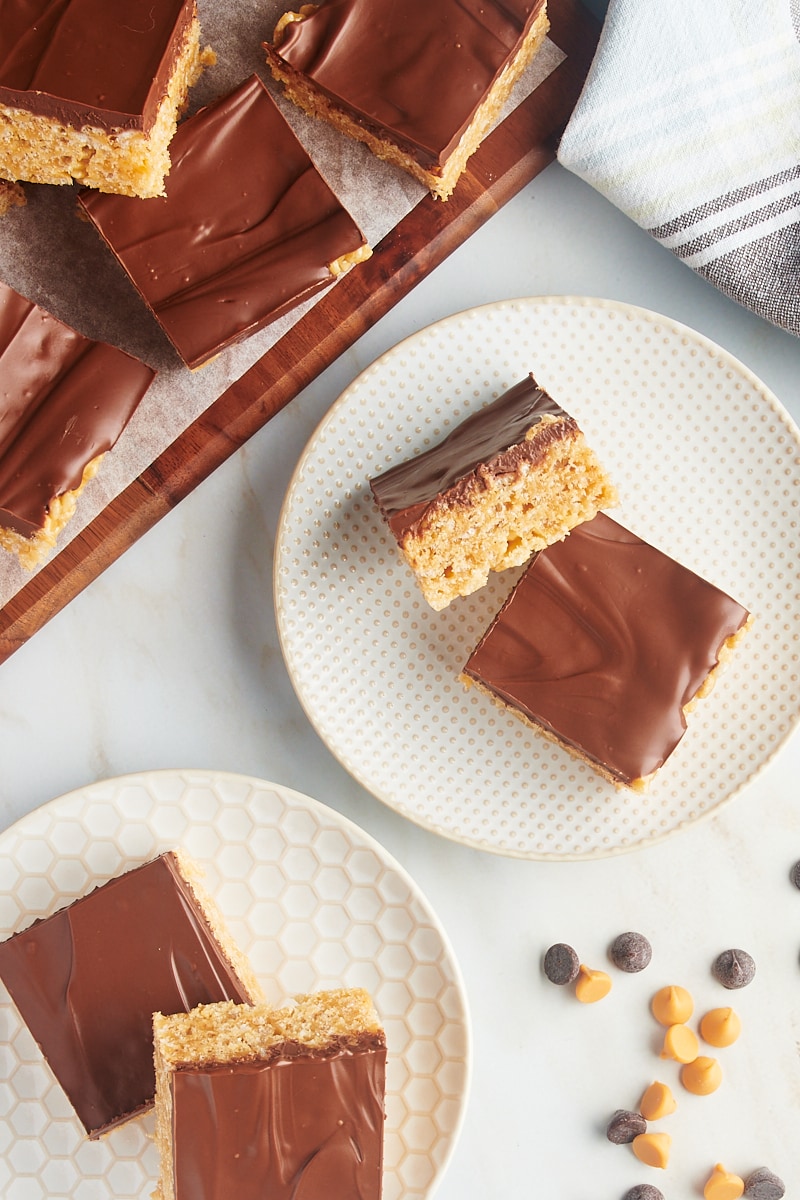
(764, 1185)
(643, 1191)
(630, 952)
(795, 875)
(624, 1126)
(734, 968)
(561, 964)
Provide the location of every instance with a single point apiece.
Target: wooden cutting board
(509, 158)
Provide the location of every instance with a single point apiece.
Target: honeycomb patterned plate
(707, 463)
(313, 900)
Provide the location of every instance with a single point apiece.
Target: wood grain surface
(509, 158)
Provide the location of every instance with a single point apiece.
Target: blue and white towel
(689, 122)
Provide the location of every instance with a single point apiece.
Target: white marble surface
(171, 659)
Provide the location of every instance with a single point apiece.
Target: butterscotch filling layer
(505, 518)
(40, 149)
(227, 1032)
(33, 550)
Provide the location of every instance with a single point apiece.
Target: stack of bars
(137, 996)
(605, 643)
(221, 221)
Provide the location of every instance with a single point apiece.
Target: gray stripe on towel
(763, 277)
(749, 220)
(684, 221)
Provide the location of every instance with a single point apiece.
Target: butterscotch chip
(702, 1076)
(680, 1043)
(657, 1101)
(652, 1148)
(723, 1185)
(672, 1006)
(720, 1027)
(591, 985)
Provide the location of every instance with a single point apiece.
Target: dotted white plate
(310, 898)
(707, 463)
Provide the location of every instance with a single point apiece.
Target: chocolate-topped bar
(88, 979)
(513, 477)
(280, 1103)
(420, 83)
(64, 401)
(91, 91)
(605, 644)
(247, 230)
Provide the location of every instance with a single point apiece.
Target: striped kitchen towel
(689, 122)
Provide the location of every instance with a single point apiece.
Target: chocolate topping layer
(417, 70)
(64, 399)
(88, 979)
(603, 642)
(490, 441)
(102, 63)
(301, 1126)
(245, 232)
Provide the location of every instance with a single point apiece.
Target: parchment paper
(50, 255)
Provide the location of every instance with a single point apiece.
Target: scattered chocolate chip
(624, 1126)
(643, 1191)
(630, 952)
(734, 968)
(561, 964)
(764, 1185)
(795, 875)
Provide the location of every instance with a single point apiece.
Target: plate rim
(213, 777)
(630, 311)
(560, 300)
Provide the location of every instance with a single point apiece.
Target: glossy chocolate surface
(64, 399)
(102, 63)
(416, 71)
(245, 232)
(88, 979)
(602, 642)
(303, 1125)
(491, 441)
